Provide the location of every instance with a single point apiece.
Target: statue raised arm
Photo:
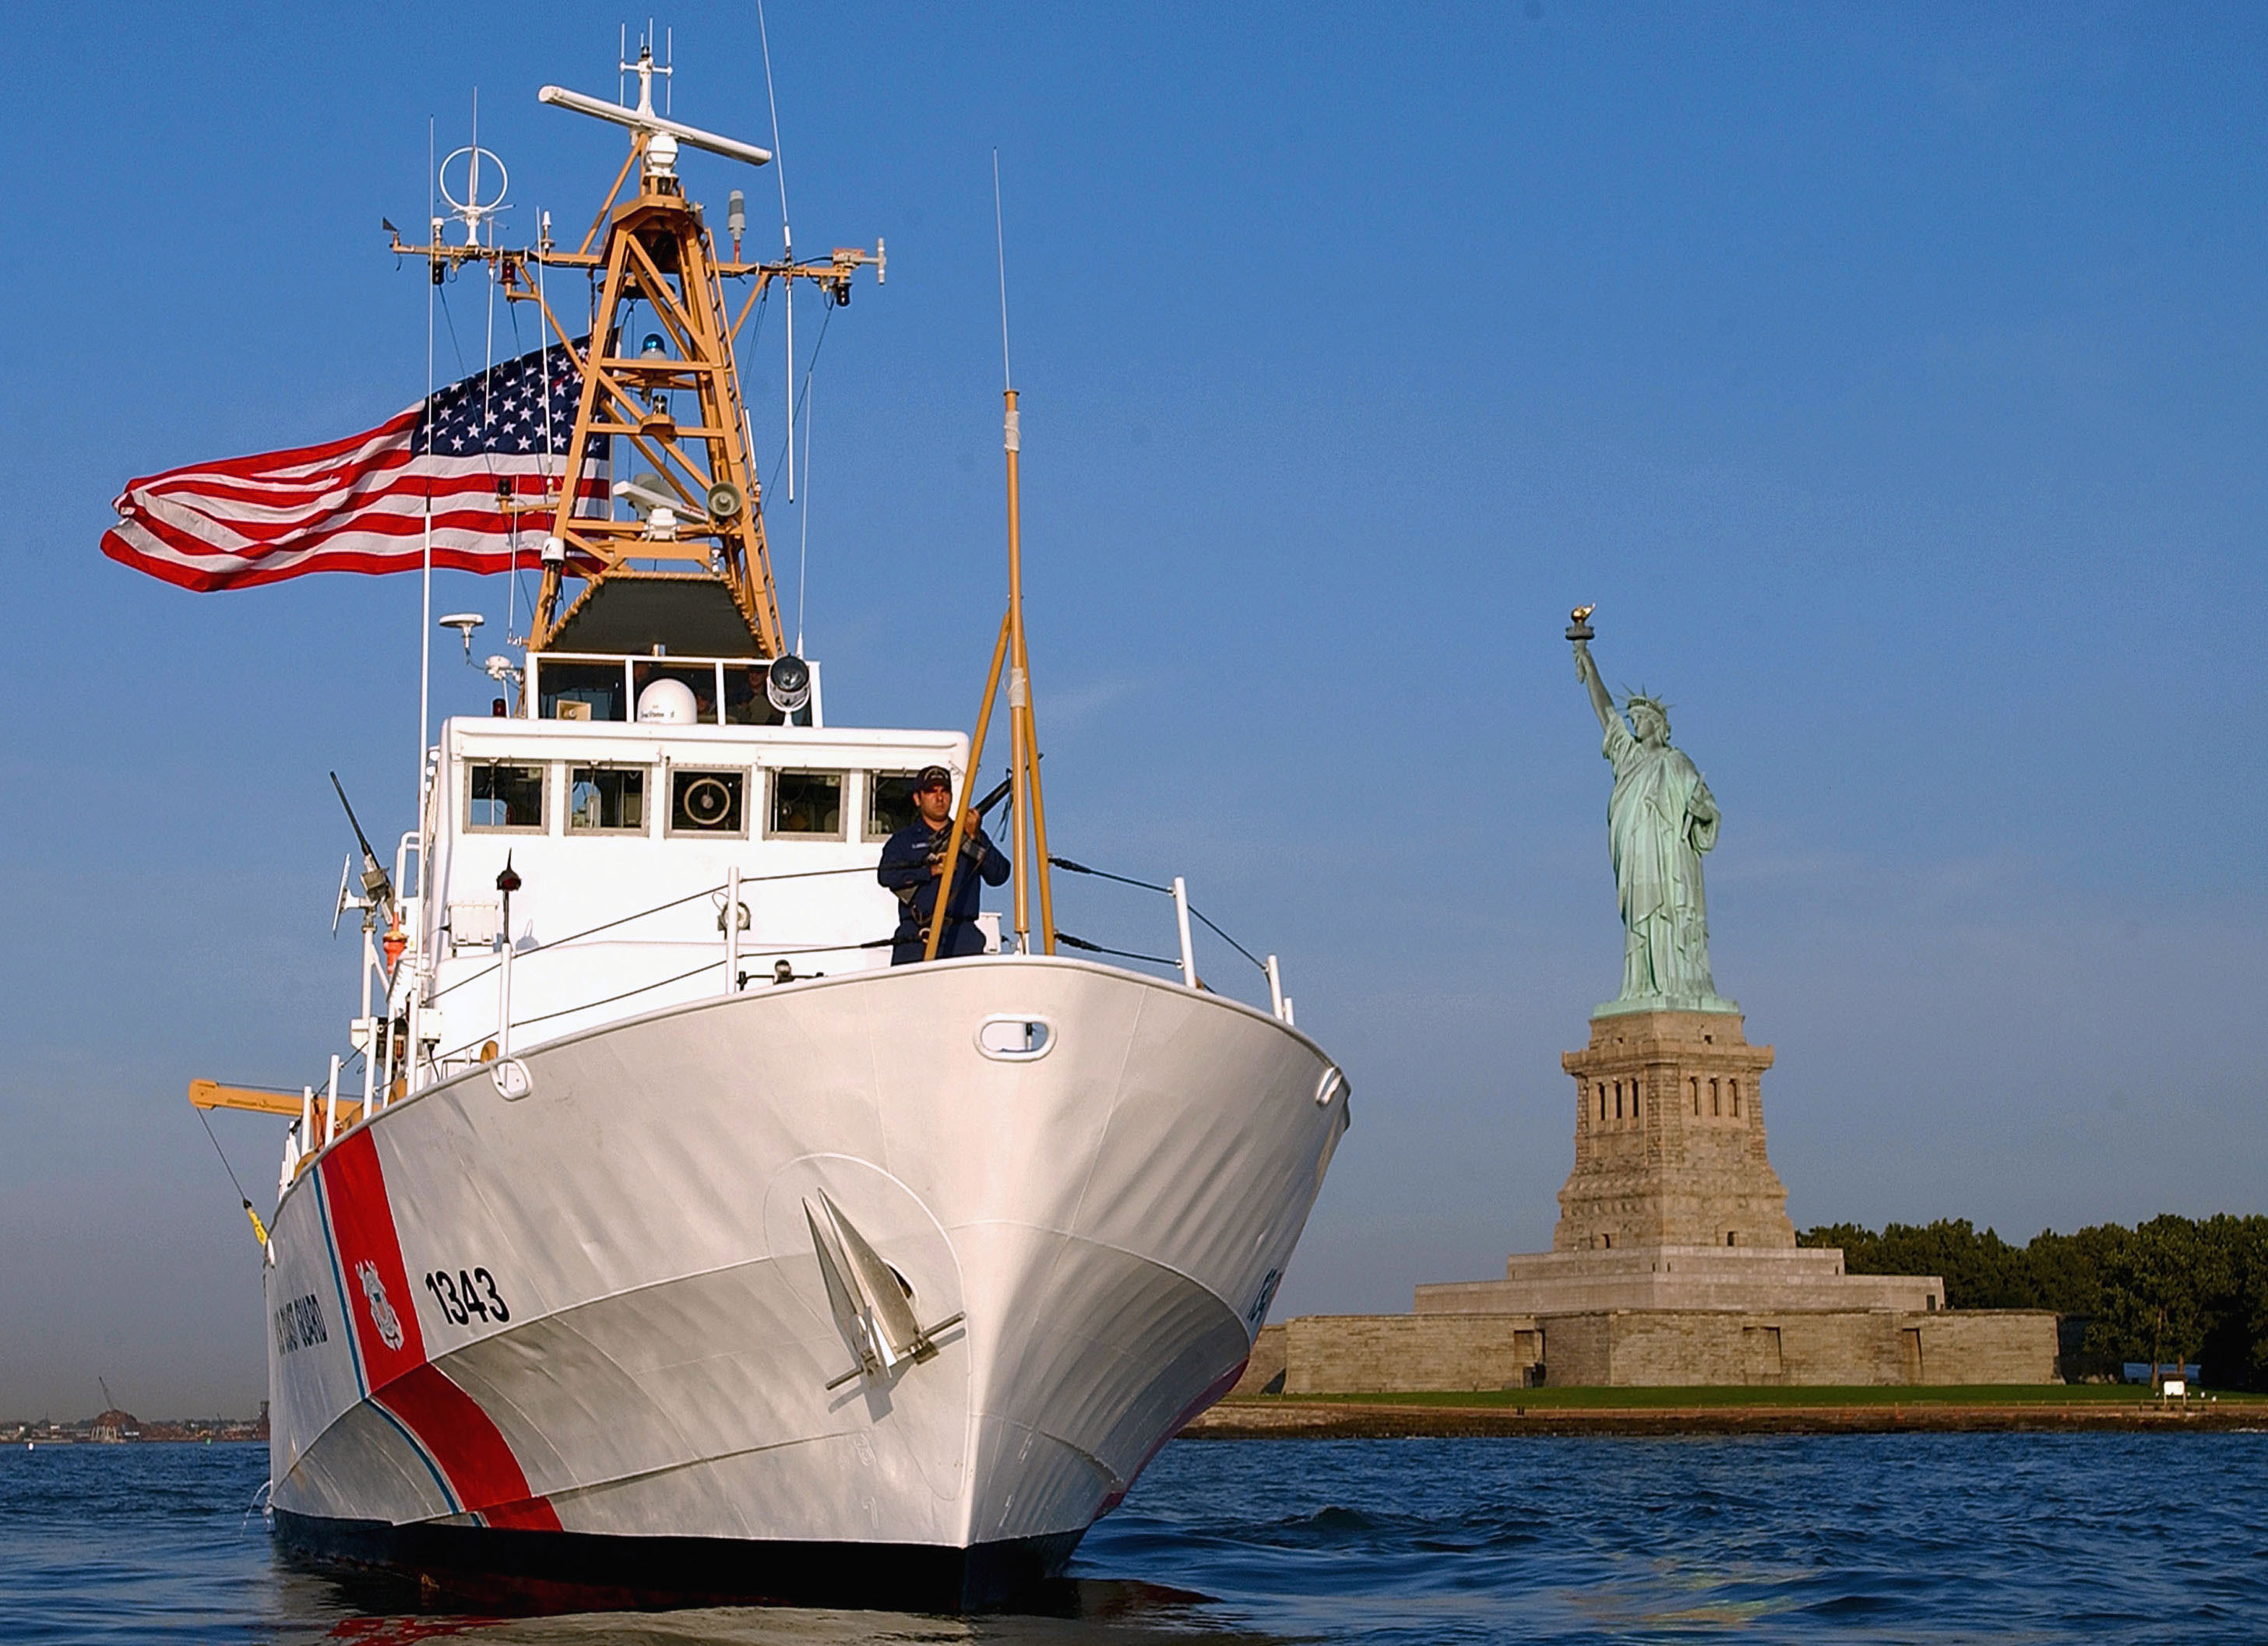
(1587, 671)
(1661, 819)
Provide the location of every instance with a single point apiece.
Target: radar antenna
(645, 121)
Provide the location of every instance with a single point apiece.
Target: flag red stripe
(187, 574)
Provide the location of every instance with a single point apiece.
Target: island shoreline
(1355, 1419)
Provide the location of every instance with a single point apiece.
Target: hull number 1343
(471, 1293)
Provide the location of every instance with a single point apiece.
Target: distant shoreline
(2049, 1409)
(43, 1443)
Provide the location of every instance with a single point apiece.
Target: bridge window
(707, 803)
(582, 691)
(807, 804)
(503, 796)
(889, 803)
(606, 800)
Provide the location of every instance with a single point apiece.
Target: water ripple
(1859, 1538)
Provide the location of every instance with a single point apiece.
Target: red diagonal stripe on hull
(449, 1423)
(379, 1297)
(469, 1447)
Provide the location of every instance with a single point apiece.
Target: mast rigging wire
(802, 517)
(223, 1153)
(807, 371)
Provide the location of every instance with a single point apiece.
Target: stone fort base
(1654, 1348)
(1682, 1278)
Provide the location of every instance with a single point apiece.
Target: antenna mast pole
(1031, 868)
(425, 616)
(1029, 856)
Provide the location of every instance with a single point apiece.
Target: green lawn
(1772, 1395)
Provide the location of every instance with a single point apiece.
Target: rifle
(905, 893)
(375, 884)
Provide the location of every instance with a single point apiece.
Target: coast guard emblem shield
(386, 1334)
(381, 1312)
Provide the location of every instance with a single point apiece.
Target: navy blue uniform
(905, 870)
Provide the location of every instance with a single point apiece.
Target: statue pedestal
(1673, 1261)
(1669, 1137)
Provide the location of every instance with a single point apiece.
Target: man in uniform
(913, 862)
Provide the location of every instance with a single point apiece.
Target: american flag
(360, 504)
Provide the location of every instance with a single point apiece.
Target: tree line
(2172, 1288)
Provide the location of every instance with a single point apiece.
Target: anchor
(871, 1304)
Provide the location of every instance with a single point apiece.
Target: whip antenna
(787, 255)
(1000, 248)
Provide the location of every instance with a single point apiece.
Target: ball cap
(932, 777)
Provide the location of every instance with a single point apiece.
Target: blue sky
(1890, 378)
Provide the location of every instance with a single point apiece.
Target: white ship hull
(644, 1413)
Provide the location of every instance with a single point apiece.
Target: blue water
(2156, 1537)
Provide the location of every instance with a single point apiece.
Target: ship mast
(1027, 847)
(667, 393)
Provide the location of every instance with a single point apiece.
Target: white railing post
(381, 1052)
(306, 1119)
(507, 882)
(503, 1001)
(369, 1024)
(1181, 919)
(331, 1104)
(1275, 986)
(1289, 1020)
(731, 931)
(412, 1052)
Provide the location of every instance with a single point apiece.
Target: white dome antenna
(644, 120)
(464, 623)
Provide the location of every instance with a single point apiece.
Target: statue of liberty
(1659, 819)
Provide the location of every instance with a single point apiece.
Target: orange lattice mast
(695, 500)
